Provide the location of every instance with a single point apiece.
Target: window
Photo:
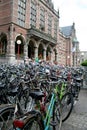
(21, 12)
(49, 24)
(42, 19)
(3, 43)
(55, 28)
(33, 14)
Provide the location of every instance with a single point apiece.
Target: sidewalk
(78, 118)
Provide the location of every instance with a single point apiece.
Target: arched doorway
(48, 53)
(40, 51)
(55, 55)
(19, 47)
(31, 49)
(3, 43)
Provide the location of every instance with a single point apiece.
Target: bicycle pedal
(53, 123)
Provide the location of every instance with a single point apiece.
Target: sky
(74, 11)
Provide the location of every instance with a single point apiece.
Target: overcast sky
(74, 11)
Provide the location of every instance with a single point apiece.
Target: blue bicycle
(50, 117)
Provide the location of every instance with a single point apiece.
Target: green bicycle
(43, 117)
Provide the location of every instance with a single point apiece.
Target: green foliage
(84, 63)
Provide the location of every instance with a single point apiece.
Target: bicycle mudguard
(22, 121)
(4, 107)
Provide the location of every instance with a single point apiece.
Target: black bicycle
(49, 118)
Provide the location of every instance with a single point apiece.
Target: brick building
(30, 29)
(69, 39)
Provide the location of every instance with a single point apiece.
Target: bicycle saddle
(36, 94)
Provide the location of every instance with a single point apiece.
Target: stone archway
(31, 49)
(19, 48)
(55, 55)
(40, 51)
(48, 53)
(3, 43)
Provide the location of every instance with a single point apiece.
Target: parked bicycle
(39, 88)
(45, 117)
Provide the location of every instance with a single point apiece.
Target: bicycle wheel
(67, 105)
(6, 117)
(34, 124)
(56, 121)
(29, 121)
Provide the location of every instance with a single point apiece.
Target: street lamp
(75, 44)
(68, 57)
(73, 52)
(18, 42)
(82, 56)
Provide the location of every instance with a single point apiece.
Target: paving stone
(78, 117)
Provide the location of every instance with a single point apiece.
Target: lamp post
(75, 44)
(73, 52)
(18, 42)
(82, 57)
(68, 57)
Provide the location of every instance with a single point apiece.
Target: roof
(67, 30)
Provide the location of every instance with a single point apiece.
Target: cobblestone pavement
(78, 118)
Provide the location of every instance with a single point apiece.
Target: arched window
(3, 44)
(31, 49)
(19, 48)
(48, 53)
(40, 51)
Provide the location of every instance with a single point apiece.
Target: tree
(84, 63)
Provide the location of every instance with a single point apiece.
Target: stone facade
(36, 24)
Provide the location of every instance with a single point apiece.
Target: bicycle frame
(49, 112)
(51, 107)
(61, 91)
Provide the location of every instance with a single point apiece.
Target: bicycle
(57, 111)
(46, 119)
(6, 116)
(7, 110)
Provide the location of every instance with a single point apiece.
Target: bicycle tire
(34, 124)
(67, 104)
(32, 121)
(6, 117)
(56, 121)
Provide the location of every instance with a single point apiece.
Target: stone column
(11, 46)
(26, 47)
(25, 51)
(51, 56)
(44, 54)
(56, 55)
(36, 52)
